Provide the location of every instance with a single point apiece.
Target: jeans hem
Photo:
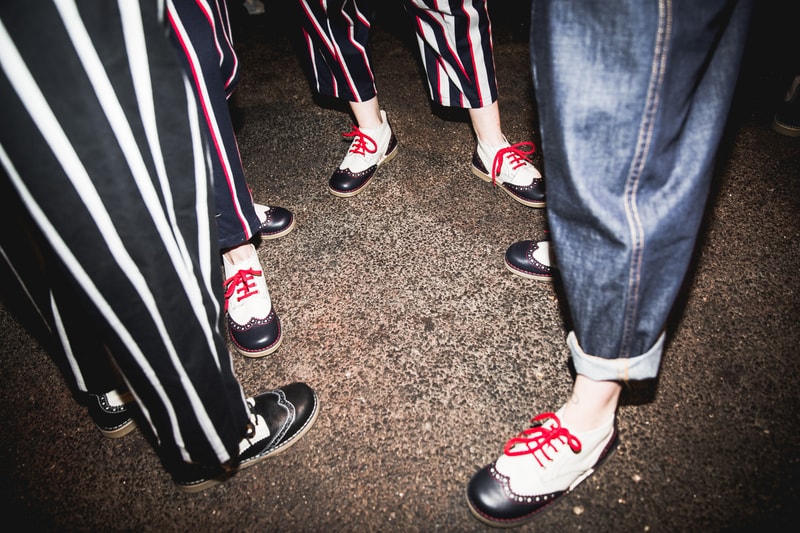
(640, 367)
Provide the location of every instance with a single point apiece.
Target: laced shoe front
(254, 327)
(509, 167)
(368, 151)
(278, 419)
(539, 466)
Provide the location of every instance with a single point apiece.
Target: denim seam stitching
(652, 101)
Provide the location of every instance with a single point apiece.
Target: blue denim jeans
(633, 96)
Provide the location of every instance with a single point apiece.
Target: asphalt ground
(427, 354)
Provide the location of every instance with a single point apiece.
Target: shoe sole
(527, 275)
(119, 432)
(350, 194)
(487, 178)
(784, 129)
(278, 234)
(612, 447)
(199, 487)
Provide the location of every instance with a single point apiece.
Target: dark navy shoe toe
(344, 182)
(257, 338)
(275, 221)
(519, 259)
(488, 499)
(531, 195)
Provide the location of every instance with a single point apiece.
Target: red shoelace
(539, 438)
(362, 142)
(241, 283)
(517, 157)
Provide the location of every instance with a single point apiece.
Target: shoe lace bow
(363, 143)
(242, 283)
(540, 437)
(517, 157)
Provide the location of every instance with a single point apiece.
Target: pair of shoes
(254, 326)
(531, 260)
(275, 221)
(512, 170)
(787, 119)
(278, 419)
(370, 149)
(538, 467)
(111, 413)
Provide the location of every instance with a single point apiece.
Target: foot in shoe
(252, 322)
(275, 221)
(370, 149)
(512, 170)
(531, 260)
(278, 419)
(111, 413)
(538, 467)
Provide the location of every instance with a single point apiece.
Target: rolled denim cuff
(641, 367)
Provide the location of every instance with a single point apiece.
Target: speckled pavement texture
(427, 354)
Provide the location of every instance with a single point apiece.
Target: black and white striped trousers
(106, 213)
(454, 39)
(201, 32)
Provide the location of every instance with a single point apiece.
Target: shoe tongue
(252, 262)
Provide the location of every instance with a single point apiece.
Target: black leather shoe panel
(288, 412)
(519, 259)
(345, 181)
(279, 222)
(113, 421)
(531, 195)
(258, 337)
(492, 502)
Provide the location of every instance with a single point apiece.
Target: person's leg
(201, 36)
(336, 34)
(29, 266)
(135, 255)
(455, 44)
(629, 167)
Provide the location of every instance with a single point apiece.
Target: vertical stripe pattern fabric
(455, 43)
(453, 36)
(201, 33)
(101, 143)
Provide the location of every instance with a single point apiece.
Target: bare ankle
(591, 404)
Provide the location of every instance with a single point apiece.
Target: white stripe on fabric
(67, 345)
(202, 170)
(25, 288)
(138, 60)
(326, 35)
(208, 110)
(222, 10)
(427, 35)
(41, 114)
(479, 61)
(127, 143)
(445, 71)
(38, 108)
(58, 323)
